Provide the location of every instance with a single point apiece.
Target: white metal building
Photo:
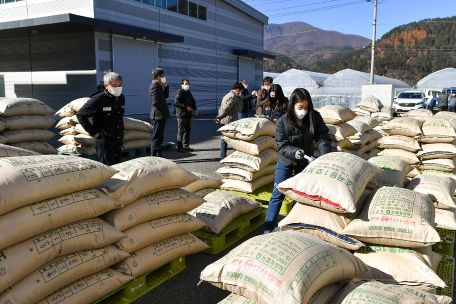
(59, 50)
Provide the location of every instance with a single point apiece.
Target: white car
(409, 100)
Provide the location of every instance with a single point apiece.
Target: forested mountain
(408, 52)
(281, 64)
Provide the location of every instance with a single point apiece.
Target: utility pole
(373, 41)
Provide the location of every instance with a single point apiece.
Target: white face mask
(186, 87)
(116, 91)
(163, 79)
(267, 88)
(300, 113)
(246, 86)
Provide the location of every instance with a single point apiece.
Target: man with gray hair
(159, 113)
(107, 110)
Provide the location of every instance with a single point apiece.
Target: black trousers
(184, 126)
(109, 151)
(158, 133)
(443, 108)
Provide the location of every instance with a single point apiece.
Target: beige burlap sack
(75, 120)
(130, 135)
(375, 135)
(334, 114)
(420, 114)
(372, 122)
(439, 129)
(61, 272)
(407, 156)
(359, 141)
(395, 265)
(80, 130)
(25, 257)
(83, 150)
(380, 130)
(446, 165)
(307, 264)
(136, 144)
(385, 114)
(335, 181)
(244, 175)
(28, 122)
(3, 139)
(204, 181)
(204, 192)
(371, 104)
(23, 106)
(359, 206)
(441, 150)
(77, 104)
(247, 187)
(432, 258)
(360, 152)
(394, 171)
(445, 113)
(441, 189)
(80, 139)
(2, 126)
(414, 172)
(360, 126)
(154, 256)
(143, 176)
(88, 289)
(65, 111)
(65, 123)
(15, 136)
(236, 299)
(396, 217)
(323, 224)
(9, 151)
(367, 292)
(250, 162)
(28, 221)
(136, 124)
(341, 131)
(407, 126)
(249, 128)
(343, 144)
(221, 208)
(41, 147)
(45, 177)
(254, 147)
(445, 219)
(359, 111)
(157, 230)
(372, 153)
(399, 142)
(373, 145)
(451, 175)
(151, 207)
(69, 131)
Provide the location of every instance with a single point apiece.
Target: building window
(171, 5)
(202, 12)
(160, 3)
(193, 9)
(183, 7)
(151, 2)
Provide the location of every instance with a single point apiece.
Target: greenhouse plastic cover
(300, 79)
(438, 80)
(354, 79)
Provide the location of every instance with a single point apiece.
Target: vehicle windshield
(410, 95)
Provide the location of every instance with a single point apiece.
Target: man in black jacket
(185, 104)
(107, 110)
(244, 100)
(159, 113)
(443, 98)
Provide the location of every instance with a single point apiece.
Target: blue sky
(353, 16)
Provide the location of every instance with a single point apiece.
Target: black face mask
(273, 99)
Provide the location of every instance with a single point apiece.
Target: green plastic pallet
(447, 245)
(168, 146)
(447, 236)
(445, 271)
(236, 230)
(128, 153)
(263, 195)
(93, 157)
(145, 283)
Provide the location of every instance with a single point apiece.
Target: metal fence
(346, 101)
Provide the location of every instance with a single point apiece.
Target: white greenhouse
(293, 79)
(445, 78)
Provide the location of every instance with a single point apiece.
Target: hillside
(408, 52)
(307, 45)
(281, 64)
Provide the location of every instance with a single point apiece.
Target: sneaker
(181, 150)
(266, 232)
(189, 149)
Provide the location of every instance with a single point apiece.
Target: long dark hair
(298, 95)
(277, 89)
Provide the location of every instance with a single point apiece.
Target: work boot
(188, 149)
(181, 149)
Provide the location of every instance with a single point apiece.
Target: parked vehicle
(409, 100)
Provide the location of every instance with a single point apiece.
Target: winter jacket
(433, 101)
(452, 101)
(157, 97)
(107, 112)
(443, 98)
(228, 111)
(182, 100)
(290, 139)
(262, 99)
(244, 100)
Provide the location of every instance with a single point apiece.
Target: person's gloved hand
(299, 154)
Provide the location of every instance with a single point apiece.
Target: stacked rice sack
(204, 185)
(371, 106)
(24, 122)
(252, 165)
(50, 235)
(154, 219)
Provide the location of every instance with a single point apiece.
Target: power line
(289, 34)
(315, 3)
(318, 9)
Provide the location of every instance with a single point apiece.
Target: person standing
(228, 112)
(296, 132)
(159, 113)
(433, 102)
(100, 88)
(107, 110)
(185, 106)
(452, 103)
(244, 100)
(263, 96)
(443, 99)
(281, 102)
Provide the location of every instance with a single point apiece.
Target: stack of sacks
(335, 117)
(420, 114)
(155, 213)
(400, 224)
(136, 135)
(9, 151)
(252, 165)
(394, 171)
(204, 185)
(330, 192)
(24, 124)
(385, 113)
(283, 267)
(365, 140)
(50, 234)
